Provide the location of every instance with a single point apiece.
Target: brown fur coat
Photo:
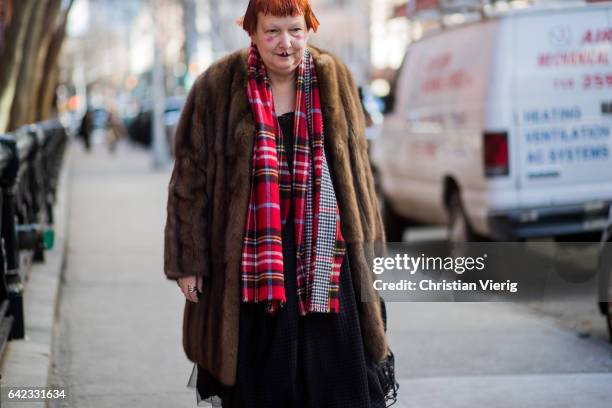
(208, 196)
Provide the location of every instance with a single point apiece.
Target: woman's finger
(186, 284)
(192, 296)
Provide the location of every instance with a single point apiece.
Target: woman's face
(281, 42)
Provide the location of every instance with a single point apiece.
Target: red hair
(278, 8)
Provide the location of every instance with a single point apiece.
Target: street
(119, 341)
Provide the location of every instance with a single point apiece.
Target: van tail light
(496, 160)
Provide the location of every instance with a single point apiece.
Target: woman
(272, 220)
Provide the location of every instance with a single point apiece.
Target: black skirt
(293, 361)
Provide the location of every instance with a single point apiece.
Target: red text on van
(597, 36)
(574, 58)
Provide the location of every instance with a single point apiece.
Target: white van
(501, 128)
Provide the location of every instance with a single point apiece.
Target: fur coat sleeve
(185, 247)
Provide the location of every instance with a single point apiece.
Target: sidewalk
(119, 342)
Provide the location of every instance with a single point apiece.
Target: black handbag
(386, 368)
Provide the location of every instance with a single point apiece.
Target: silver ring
(191, 289)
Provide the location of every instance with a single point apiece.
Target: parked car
(502, 128)
(140, 128)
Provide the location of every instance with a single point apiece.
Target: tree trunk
(50, 21)
(11, 57)
(47, 100)
(19, 110)
(48, 84)
(6, 14)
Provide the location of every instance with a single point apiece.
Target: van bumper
(548, 221)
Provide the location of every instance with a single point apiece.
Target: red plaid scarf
(318, 237)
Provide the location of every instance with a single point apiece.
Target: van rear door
(562, 94)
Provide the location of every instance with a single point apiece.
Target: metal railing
(30, 162)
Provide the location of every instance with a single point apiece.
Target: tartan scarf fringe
(320, 246)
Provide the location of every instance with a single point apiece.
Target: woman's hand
(191, 286)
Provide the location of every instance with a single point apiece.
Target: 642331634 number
(14, 394)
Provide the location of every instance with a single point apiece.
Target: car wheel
(394, 224)
(609, 319)
(605, 282)
(459, 229)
